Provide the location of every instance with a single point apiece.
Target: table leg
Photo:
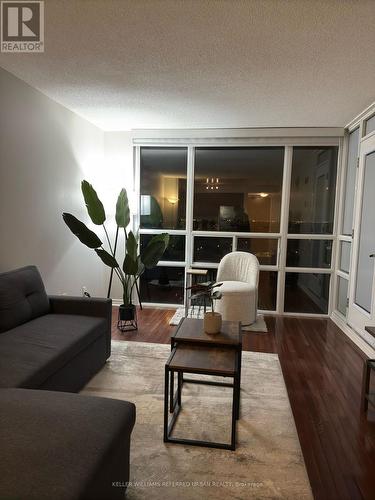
(179, 387)
(171, 404)
(365, 385)
(166, 398)
(239, 361)
(234, 412)
(189, 281)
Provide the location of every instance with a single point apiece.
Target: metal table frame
(237, 347)
(367, 397)
(173, 401)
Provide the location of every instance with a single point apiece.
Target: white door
(362, 289)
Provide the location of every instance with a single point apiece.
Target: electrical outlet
(85, 292)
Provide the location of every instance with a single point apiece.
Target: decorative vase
(212, 322)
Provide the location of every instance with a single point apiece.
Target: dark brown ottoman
(62, 446)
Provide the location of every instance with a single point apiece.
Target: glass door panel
(361, 302)
(345, 247)
(265, 249)
(312, 190)
(163, 188)
(342, 295)
(370, 125)
(309, 253)
(267, 290)
(307, 293)
(347, 222)
(365, 266)
(238, 189)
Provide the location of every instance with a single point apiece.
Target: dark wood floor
(323, 372)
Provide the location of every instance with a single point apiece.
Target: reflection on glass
(208, 249)
(312, 191)
(345, 256)
(238, 189)
(175, 250)
(347, 222)
(164, 285)
(306, 293)
(342, 295)
(265, 249)
(370, 125)
(309, 253)
(163, 188)
(267, 291)
(365, 264)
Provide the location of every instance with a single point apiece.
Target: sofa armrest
(84, 306)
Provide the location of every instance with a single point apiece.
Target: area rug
(197, 312)
(268, 462)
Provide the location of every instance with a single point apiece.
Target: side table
(199, 360)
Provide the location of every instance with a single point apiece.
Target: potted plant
(212, 320)
(134, 263)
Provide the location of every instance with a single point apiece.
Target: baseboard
(353, 336)
(118, 302)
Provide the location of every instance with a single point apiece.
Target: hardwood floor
(323, 374)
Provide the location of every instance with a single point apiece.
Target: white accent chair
(239, 273)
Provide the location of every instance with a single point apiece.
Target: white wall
(45, 152)
(118, 154)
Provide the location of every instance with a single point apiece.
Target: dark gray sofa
(55, 343)
(54, 444)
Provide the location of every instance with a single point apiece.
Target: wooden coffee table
(195, 352)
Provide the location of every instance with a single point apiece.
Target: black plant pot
(127, 313)
(127, 318)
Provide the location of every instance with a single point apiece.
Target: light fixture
(263, 195)
(172, 201)
(212, 183)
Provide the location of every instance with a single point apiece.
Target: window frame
(282, 236)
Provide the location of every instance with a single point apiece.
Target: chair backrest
(239, 266)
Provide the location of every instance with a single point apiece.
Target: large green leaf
(83, 233)
(131, 246)
(107, 258)
(130, 266)
(122, 209)
(152, 254)
(94, 206)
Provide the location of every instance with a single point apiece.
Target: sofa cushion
(22, 297)
(54, 444)
(32, 352)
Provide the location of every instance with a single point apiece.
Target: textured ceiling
(206, 63)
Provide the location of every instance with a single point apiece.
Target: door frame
(358, 318)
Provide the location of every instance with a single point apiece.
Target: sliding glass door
(362, 292)
(346, 224)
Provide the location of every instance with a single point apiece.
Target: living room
(187, 291)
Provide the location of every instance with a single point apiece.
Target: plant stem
(109, 241)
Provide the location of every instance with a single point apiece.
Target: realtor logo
(22, 26)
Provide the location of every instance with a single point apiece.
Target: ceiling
(129, 64)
